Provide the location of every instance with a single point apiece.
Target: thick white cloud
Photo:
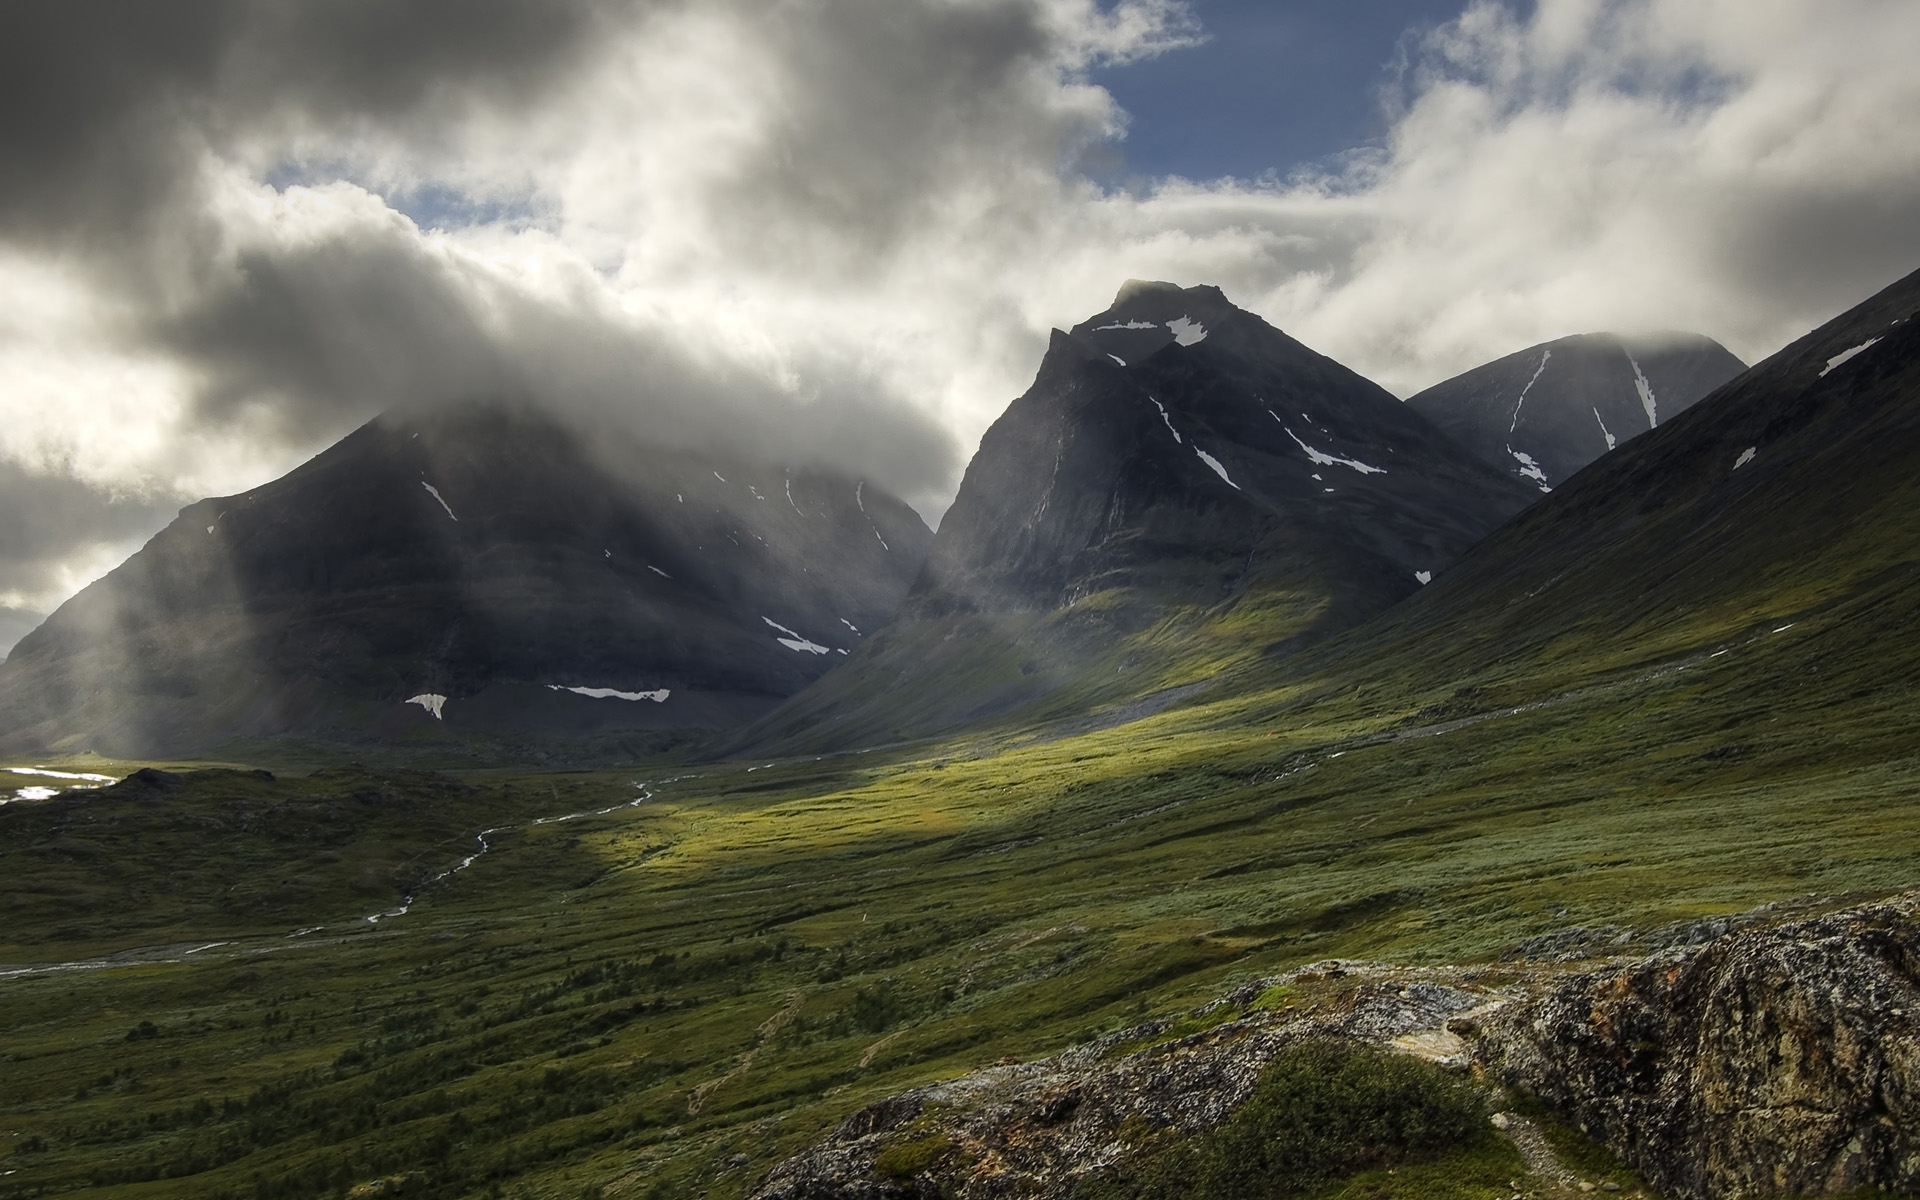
(842, 228)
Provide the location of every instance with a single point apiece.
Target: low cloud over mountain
(840, 232)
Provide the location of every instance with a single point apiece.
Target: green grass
(1321, 1114)
(635, 1000)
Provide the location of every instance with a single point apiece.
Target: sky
(838, 231)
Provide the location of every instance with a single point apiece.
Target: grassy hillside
(1691, 700)
(638, 999)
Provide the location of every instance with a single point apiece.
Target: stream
(176, 952)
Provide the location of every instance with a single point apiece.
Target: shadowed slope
(486, 556)
(1789, 490)
(1182, 485)
(1545, 412)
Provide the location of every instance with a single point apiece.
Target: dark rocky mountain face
(482, 571)
(1547, 411)
(1174, 455)
(1786, 495)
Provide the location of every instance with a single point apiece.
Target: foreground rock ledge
(1777, 1059)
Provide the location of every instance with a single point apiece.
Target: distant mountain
(1782, 506)
(1182, 483)
(478, 572)
(1549, 410)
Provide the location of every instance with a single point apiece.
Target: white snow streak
(433, 702)
(858, 489)
(434, 491)
(794, 641)
(1321, 458)
(1168, 420)
(1847, 356)
(1603, 430)
(1219, 470)
(796, 507)
(1537, 371)
(851, 625)
(1186, 332)
(1118, 359)
(1746, 456)
(720, 477)
(658, 571)
(594, 693)
(1129, 325)
(1645, 389)
(35, 793)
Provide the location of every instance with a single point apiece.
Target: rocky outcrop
(1779, 1058)
(1774, 1061)
(1030, 1129)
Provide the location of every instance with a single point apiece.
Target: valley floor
(669, 997)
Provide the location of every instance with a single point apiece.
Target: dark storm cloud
(105, 104)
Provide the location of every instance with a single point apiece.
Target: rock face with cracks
(1770, 1062)
(1779, 1058)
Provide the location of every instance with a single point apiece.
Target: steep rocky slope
(1777, 1058)
(1182, 483)
(1547, 411)
(482, 571)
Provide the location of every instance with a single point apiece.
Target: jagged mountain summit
(1545, 412)
(1181, 482)
(483, 571)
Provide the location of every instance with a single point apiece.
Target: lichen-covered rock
(1752, 1056)
(1028, 1130)
(1773, 1061)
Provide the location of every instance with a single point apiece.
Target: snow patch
(35, 793)
(1645, 389)
(1529, 469)
(1219, 470)
(433, 702)
(1514, 424)
(1168, 420)
(50, 773)
(1321, 458)
(1128, 325)
(720, 477)
(756, 492)
(858, 490)
(209, 529)
(794, 641)
(434, 492)
(1746, 456)
(1603, 430)
(1186, 332)
(1118, 359)
(599, 693)
(851, 625)
(1423, 577)
(1847, 356)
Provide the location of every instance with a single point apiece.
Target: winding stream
(181, 951)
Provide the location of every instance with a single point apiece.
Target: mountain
(1182, 484)
(1781, 504)
(478, 572)
(1551, 409)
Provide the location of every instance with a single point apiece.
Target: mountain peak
(1148, 316)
